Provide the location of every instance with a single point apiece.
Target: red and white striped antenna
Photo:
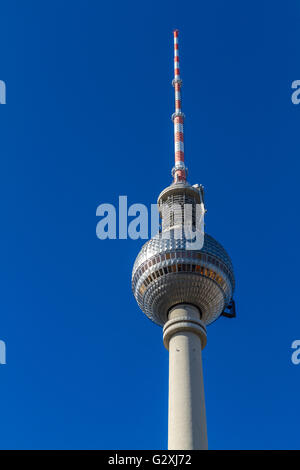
(179, 171)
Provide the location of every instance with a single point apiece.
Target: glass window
(142, 289)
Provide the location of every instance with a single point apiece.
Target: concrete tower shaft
(185, 336)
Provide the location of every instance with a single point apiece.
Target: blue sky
(87, 119)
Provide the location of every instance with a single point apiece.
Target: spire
(179, 171)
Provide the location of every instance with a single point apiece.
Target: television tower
(183, 287)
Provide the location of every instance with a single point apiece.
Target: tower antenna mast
(179, 171)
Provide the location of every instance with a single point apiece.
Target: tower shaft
(185, 337)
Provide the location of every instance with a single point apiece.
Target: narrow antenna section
(179, 171)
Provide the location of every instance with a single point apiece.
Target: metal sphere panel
(166, 274)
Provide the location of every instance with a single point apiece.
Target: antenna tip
(175, 32)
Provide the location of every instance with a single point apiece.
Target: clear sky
(87, 119)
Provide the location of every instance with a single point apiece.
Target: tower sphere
(167, 273)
